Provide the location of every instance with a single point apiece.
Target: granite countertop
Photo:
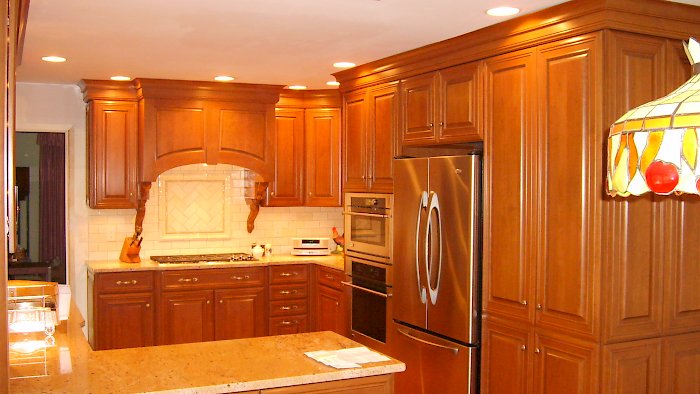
(71, 366)
(333, 261)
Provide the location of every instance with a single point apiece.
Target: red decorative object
(662, 177)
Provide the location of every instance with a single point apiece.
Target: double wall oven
(368, 265)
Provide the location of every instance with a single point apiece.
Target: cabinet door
(330, 310)
(506, 359)
(418, 109)
(459, 104)
(323, 157)
(633, 252)
(188, 316)
(570, 184)
(383, 118)
(509, 186)
(565, 367)
(113, 154)
(355, 142)
(240, 313)
(632, 367)
(124, 320)
(289, 325)
(238, 133)
(681, 364)
(287, 187)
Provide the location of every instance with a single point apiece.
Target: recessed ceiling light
(120, 78)
(343, 64)
(53, 59)
(503, 11)
(223, 78)
(333, 83)
(296, 87)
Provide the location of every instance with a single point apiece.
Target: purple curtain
(52, 200)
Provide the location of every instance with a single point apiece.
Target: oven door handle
(372, 215)
(365, 289)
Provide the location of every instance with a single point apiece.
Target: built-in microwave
(368, 225)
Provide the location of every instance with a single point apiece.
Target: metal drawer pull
(455, 350)
(181, 280)
(240, 277)
(288, 291)
(288, 308)
(289, 274)
(366, 290)
(289, 323)
(127, 282)
(329, 277)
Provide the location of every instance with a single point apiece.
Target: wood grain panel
(506, 348)
(240, 313)
(565, 366)
(187, 316)
(322, 135)
(460, 104)
(632, 368)
(287, 188)
(681, 364)
(383, 124)
(509, 199)
(355, 142)
(180, 130)
(418, 109)
(124, 321)
(571, 184)
(242, 132)
(634, 251)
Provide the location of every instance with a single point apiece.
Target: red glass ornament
(662, 177)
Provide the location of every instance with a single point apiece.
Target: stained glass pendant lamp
(654, 147)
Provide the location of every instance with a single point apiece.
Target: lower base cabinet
(331, 309)
(382, 384)
(188, 316)
(126, 320)
(239, 313)
(289, 325)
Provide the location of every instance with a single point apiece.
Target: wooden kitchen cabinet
(681, 364)
(289, 301)
(633, 367)
(212, 304)
(506, 348)
(442, 107)
(307, 151)
(331, 305)
(122, 310)
(369, 142)
(565, 366)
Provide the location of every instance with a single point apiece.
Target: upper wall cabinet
(307, 150)
(188, 123)
(442, 107)
(370, 123)
(112, 144)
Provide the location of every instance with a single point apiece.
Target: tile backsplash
(200, 209)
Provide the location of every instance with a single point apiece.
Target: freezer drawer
(433, 365)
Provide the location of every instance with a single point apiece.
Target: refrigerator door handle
(422, 293)
(434, 204)
(454, 350)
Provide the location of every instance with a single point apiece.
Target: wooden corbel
(255, 202)
(132, 245)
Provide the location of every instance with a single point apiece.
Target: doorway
(40, 164)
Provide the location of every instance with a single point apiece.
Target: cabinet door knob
(441, 124)
(524, 302)
(537, 350)
(430, 125)
(272, 194)
(148, 305)
(221, 301)
(208, 302)
(311, 194)
(539, 307)
(363, 177)
(337, 303)
(369, 176)
(523, 347)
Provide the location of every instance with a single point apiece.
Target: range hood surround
(192, 122)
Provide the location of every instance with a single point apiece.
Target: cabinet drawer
(289, 325)
(219, 277)
(329, 277)
(288, 307)
(123, 282)
(287, 292)
(288, 274)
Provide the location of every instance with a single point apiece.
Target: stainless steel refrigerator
(436, 273)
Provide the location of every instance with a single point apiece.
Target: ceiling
(282, 42)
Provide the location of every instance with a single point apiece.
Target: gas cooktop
(202, 258)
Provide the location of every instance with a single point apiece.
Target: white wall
(97, 234)
(60, 108)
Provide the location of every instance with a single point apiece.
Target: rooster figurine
(339, 240)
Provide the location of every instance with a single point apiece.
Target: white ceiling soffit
(282, 42)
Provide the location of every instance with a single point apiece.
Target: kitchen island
(69, 365)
